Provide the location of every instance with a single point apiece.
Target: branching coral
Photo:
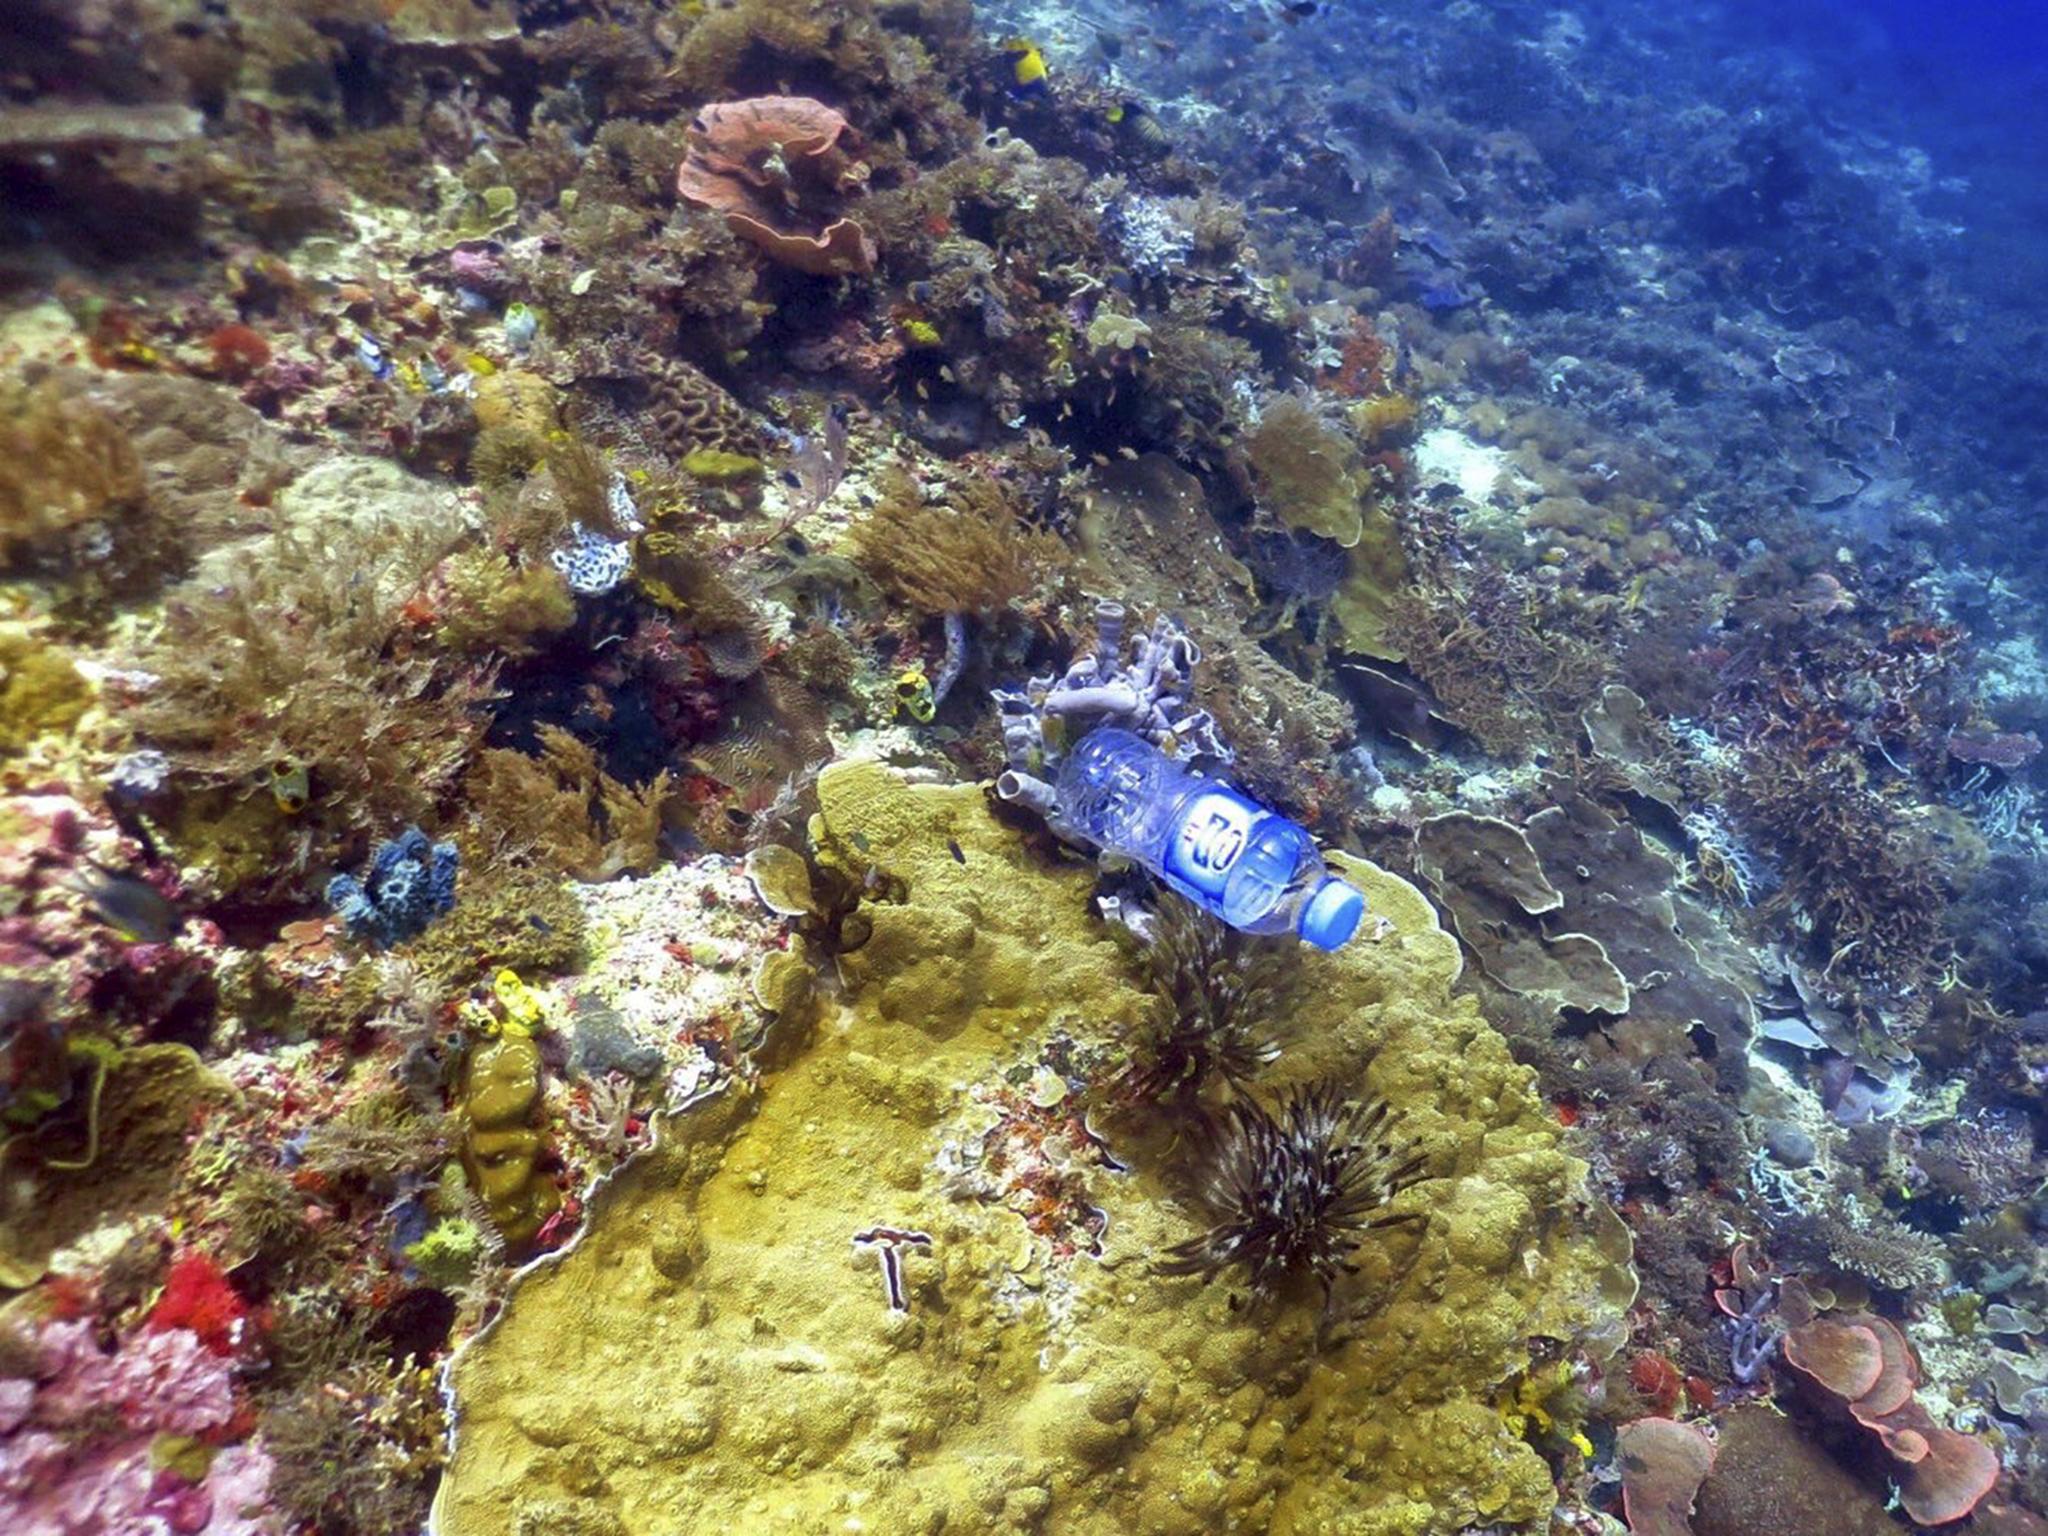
(358, 1453)
(1850, 864)
(1851, 1234)
(564, 810)
(1502, 662)
(301, 655)
(73, 500)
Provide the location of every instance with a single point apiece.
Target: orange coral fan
(777, 168)
(1363, 370)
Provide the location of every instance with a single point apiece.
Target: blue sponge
(411, 882)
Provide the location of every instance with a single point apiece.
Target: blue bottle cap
(1332, 914)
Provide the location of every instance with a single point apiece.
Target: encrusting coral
(1025, 1378)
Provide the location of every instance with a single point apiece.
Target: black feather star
(1215, 996)
(1293, 1192)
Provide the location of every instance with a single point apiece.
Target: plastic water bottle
(1225, 852)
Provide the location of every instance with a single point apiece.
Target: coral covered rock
(888, 1256)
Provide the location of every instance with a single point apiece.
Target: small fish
(953, 847)
(540, 923)
(1444, 294)
(1138, 124)
(133, 908)
(521, 326)
(374, 357)
(1028, 74)
(1298, 11)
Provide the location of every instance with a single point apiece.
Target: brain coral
(719, 1352)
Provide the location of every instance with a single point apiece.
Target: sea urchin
(1292, 1192)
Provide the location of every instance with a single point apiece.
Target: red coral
(869, 361)
(238, 351)
(1657, 1379)
(198, 1296)
(1362, 368)
(1864, 1364)
(778, 168)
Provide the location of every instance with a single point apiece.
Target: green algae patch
(41, 691)
(123, 1167)
(721, 1347)
(715, 466)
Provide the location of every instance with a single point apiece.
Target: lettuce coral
(721, 1340)
(762, 161)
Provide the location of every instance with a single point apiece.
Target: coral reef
(1864, 1363)
(1568, 456)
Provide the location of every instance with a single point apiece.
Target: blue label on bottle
(1211, 838)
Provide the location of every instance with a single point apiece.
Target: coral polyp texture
(1028, 1380)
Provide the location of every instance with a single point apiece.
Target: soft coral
(198, 1295)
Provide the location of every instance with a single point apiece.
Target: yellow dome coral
(719, 1350)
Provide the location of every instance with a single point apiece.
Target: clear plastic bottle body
(1249, 865)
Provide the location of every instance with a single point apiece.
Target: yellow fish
(914, 695)
(1027, 67)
